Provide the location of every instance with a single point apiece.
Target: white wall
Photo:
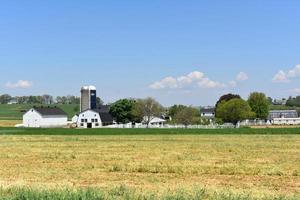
(35, 120)
(87, 117)
(32, 119)
(286, 121)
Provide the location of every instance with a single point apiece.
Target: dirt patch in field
(9, 123)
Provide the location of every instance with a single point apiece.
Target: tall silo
(88, 98)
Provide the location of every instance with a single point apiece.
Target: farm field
(16, 111)
(166, 164)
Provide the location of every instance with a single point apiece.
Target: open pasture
(239, 165)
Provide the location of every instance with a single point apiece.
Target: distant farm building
(282, 114)
(154, 122)
(88, 99)
(45, 117)
(95, 118)
(284, 117)
(208, 112)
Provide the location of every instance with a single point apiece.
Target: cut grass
(9, 123)
(110, 131)
(226, 166)
(122, 192)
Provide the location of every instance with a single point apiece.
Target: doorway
(89, 125)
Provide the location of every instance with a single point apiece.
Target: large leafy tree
(122, 110)
(186, 116)
(225, 98)
(146, 109)
(234, 110)
(173, 110)
(5, 98)
(259, 104)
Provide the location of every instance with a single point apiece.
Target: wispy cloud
(285, 77)
(295, 91)
(195, 78)
(242, 76)
(19, 84)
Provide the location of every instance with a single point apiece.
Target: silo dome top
(90, 87)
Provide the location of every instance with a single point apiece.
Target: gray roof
(50, 111)
(106, 117)
(282, 113)
(207, 110)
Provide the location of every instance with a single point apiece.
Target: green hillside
(16, 111)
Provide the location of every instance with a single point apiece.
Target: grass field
(150, 164)
(16, 111)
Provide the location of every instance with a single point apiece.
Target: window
(85, 120)
(93, 120)
(81, 124)
(82, 120)
(96, 124)
(96, 120)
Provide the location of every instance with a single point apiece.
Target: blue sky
(187, 52)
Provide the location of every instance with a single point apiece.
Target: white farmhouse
(155, 122)
(45, 117)
(95, 118)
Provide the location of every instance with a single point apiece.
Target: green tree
(146, 110)
(226, 97)
(187, 116)
(234, 110)
(99, 102)
(259, 104)
(173, 110)
(121, 110)
(5, 98)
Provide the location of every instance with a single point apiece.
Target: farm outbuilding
(95, 118)
(45, 117)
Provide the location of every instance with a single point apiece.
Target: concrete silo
(88, 98)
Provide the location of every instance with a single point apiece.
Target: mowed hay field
(152, 166)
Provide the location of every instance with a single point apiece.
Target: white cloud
(194, 78)
(284, 77)
(232, 84)
(280, 77)
(242, 76)
(19, 84)
(295, 90)
(295, 72)
(168, 82)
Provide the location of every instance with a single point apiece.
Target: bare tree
(147, 109)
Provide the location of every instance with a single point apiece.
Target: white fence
(167, 126)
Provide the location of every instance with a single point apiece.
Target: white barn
(92, 119)
(45, 117)
(286, 121)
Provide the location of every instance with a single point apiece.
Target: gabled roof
(106, 117)
(46, 111)
(103, 109)
(207, 109)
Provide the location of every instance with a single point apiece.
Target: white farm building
(95, 118)
(45, 117)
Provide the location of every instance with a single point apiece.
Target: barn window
(82, 120)
(96, 124)
(93, 120)
(96, 120)
(85, 120)
(81, 124)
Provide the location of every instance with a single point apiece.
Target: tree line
(229, 108)
(40, 99)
